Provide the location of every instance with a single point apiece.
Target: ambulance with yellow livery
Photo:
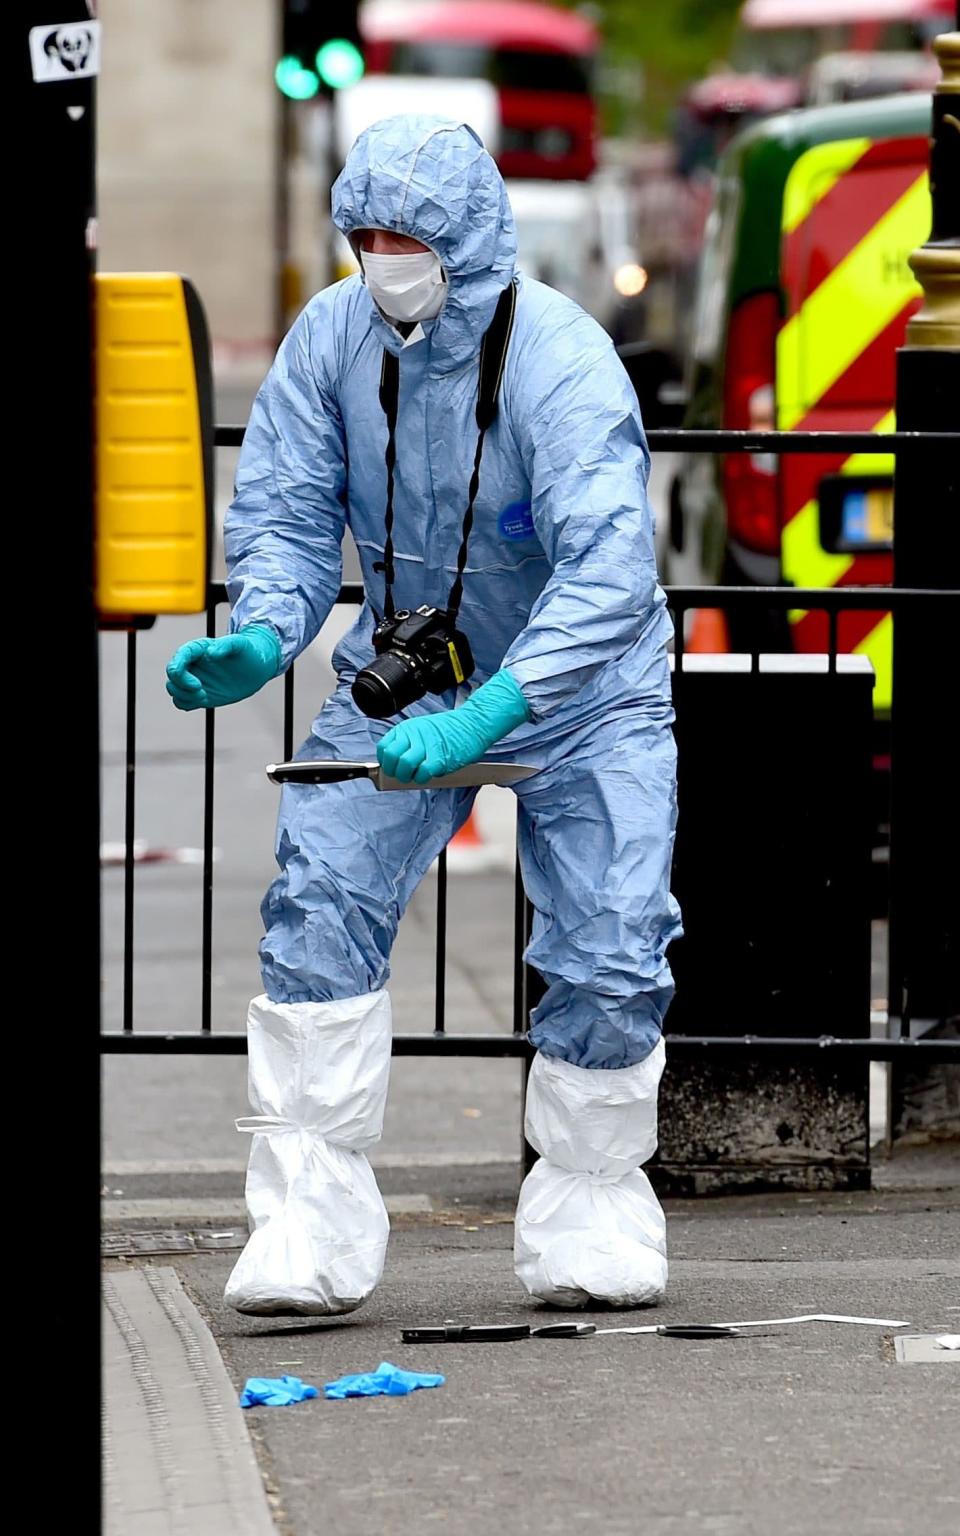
(804, 298)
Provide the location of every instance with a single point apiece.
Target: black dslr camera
(417, 653)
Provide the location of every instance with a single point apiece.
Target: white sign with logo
(69, 50)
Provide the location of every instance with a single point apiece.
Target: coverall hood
(432, 179)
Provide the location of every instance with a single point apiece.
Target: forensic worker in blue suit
(374, 399)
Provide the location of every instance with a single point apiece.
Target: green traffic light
(295, 81)
(339, 63)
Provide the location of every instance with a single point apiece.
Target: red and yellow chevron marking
(853, 211)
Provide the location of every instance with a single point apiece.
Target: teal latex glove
(207, 673)
(416, 751)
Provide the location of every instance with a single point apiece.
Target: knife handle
(316, 773)
(465, 1333)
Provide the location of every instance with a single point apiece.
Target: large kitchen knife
(336, 772)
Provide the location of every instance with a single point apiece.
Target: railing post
(925, 810)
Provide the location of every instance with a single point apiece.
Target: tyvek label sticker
(516, 521)
(68, 50)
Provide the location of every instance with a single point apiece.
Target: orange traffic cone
(708, 633)
(468, 851)
(469, 834)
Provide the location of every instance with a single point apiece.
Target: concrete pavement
(176, 1451)
(812, 1427)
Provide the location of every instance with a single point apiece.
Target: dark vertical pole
(129, 830)
(288, 699)
(833, 642)
(206, 940)
(925, 810)
(519, 945)
(440, 992)
(534, 988)
(281, 217)
(55, 127)
(522, 920)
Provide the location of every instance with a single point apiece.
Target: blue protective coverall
(560, 590)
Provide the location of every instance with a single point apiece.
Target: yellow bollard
(154, 445)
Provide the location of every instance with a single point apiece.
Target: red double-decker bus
(539, 58)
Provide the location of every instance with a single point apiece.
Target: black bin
(772, 870)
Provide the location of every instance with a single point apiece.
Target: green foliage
(652, 50)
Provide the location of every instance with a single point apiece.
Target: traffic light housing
(322, 50)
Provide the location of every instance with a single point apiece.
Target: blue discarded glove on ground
(275, 1392)
(416, 751)
(386, 1381)
(205, 674)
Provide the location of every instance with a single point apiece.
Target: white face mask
(406, 288)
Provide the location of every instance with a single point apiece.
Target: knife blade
(335, 771)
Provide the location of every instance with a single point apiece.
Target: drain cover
(121, 1245)
(926, 1349)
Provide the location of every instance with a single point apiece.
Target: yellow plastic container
(154, 445)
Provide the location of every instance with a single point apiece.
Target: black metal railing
(724, 440)
(832, 602)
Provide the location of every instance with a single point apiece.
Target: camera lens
(387, 686)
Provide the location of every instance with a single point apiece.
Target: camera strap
(493, 357)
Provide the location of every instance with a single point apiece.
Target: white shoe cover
(318, 1075)
(589, 1226)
